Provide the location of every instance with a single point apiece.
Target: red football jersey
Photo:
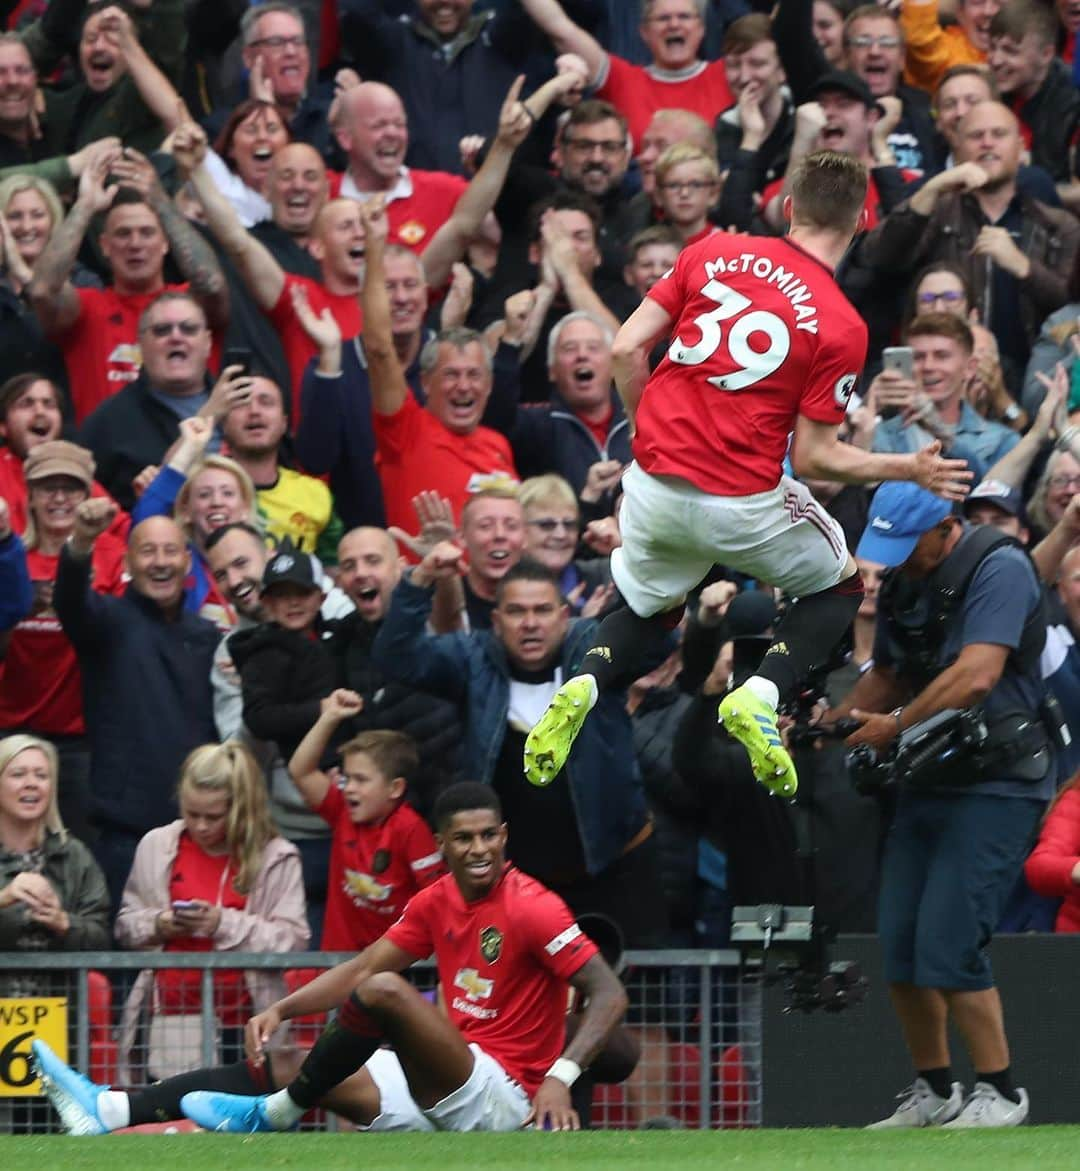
(298, 347)
(504, 962)
(374, 871)
(413, 219)
(40, 682)
(640, 90)
(761, 333)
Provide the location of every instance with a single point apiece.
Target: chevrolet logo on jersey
(491, 944)
(363, 886)
(475, 986)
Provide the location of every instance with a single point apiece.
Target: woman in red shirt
(40, 684)
(220, 878)
(1053, 867)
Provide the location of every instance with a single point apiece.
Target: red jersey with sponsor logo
(761, 334)
(40, 683)
(413, 219)
(101, 350)
(298, 347)
(504, 962)
(374, 871)
(640, 90)
(416, 453)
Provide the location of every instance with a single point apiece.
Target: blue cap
(899, 515)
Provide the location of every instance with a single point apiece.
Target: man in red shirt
(677, 78)
(440, 447)
(764, 343)
(507, 951)
(98, 328)
(373, 131)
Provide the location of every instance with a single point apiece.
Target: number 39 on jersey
(749, 363)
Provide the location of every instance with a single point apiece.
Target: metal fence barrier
(126, 1018)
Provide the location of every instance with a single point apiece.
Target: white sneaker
(920, 1106)
(987, 1107)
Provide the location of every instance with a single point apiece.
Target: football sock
(765, 690)
(808, 633)
(1002, 1082)
(939, 1080)
(342, 1048)
(160, 1102)
(626, 644)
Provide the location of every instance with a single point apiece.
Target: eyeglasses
(187, 328)
(609, 147)
(58, 487)
(688, 185)
(865, 41)
(1064, 481)
(294, 42)
(950, 297)
(549, 524)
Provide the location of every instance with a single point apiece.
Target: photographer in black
(960, 628)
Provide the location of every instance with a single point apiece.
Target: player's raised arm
(630, 352)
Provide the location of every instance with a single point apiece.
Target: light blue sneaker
(228, 1113)
(74, 1097)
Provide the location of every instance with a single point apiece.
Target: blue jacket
(146, 694)
(982, 442)
(16, 590)
(472, 669)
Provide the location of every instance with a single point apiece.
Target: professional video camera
(928, 753)
(802, 948)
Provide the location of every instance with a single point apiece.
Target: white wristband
(565, 1071)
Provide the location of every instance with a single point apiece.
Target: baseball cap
(998, 493)
(846, 82)
(288, 566)
(750, 614)
(58, 457)
(899, 515)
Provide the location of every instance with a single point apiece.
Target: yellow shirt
(931, 49)
(301, 507)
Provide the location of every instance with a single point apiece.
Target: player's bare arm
(818, 454)
(330, 990)
(630, 352)
(605, 1005)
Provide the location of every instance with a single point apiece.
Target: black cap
(750, 614)
(995, 492)
(288, 566)
(846, 82)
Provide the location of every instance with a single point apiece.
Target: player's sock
(342, 1048)
(808, 633)
(939, 1080)
(626, 643)
(1001, 1081)
(765, 689)
(160, 1102)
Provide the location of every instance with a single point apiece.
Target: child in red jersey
(382, 851)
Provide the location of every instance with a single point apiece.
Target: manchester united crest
(491, 944)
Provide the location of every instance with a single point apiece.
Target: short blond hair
(12, 746)
(538, 491)
(685, 152)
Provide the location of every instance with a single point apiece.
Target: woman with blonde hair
(552, 531)
(52, 893)
(204, 493)
(219, 878)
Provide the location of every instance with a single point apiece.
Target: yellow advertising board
(23, 1020)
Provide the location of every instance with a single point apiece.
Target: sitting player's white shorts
(673, 534)
(489, 1100)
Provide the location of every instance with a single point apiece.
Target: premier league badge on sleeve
(491, 944)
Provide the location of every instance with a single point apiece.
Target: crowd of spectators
(309, 436)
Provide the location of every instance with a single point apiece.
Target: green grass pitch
(1035, 1148)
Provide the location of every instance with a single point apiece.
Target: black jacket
(432, 722)
(284, 675)
(146, 694)
(125, 433)
(1052, 116)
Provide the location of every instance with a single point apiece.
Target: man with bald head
(145, 663)
(373, 131)
(369, 567)
(1017, 252)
